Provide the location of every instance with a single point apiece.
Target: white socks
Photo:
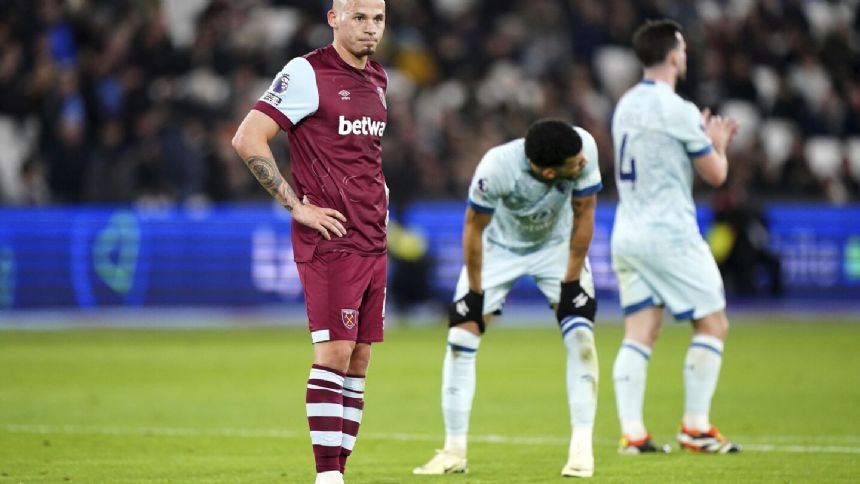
(458, 387)
(629, 374)
(701, 371)
(582, 376)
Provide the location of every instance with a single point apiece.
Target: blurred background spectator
(136, 101)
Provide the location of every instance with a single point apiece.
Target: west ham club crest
(348, 317)
(382, 97)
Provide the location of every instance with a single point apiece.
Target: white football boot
(330, 477)
(444, 462)
(580, 461)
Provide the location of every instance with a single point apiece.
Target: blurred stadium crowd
(105, 101)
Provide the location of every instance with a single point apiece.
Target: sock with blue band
(582, 376)
(629, 374)
(458, 387)
(701, 371)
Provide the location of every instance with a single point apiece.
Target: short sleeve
(589, 180)
(490, 182)
(685, 124)
(292, 96)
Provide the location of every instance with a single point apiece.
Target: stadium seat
(766, 82)
(824, 157)
(777, 137)
(822, 16)
(617, 69)
(852, 153)
(17, 141)
(749, 118)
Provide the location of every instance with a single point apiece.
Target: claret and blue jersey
(335, 117)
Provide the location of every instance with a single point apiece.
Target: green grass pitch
(208, 406)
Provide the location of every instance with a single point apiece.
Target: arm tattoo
(267, 173)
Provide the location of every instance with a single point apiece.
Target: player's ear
(548, 173)
(332, 18)
(671, 58)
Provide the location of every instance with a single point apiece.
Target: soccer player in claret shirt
(657, 249)
(530, 214)
(331, 104)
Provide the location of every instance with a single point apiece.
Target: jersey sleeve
(292, 96)
(589, 180)
(490, 182)
(685, 124)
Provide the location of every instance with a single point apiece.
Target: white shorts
(687, 282)
(501, 268)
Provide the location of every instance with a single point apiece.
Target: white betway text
(366, 126)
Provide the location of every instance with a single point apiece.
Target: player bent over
(530, 213)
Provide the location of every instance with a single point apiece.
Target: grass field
(119, 406)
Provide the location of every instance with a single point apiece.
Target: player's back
(655, 134)
(529, 213)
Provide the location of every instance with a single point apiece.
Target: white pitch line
(398, 437)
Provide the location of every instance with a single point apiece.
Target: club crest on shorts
(349, 317)
(382, 97)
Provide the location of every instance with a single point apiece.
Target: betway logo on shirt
(366, 126)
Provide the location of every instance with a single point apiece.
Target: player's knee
(359, 360)
(716, 324)
(333, 354)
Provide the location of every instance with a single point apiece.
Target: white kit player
(660, 257)
(530, 213)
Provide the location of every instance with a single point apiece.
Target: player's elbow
(713, 168)
(240, 142)
(715, 178)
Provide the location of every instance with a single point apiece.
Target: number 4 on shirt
(626, 175)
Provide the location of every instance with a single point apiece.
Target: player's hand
(468, 308)
(326, 221)
(720, 129)
(575, 302)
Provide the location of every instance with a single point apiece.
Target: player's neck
(663, 73)
(349, 57)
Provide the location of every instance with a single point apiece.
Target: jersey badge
(348, 317)
(382, 97)
(271, 99)
(344, 95)
(281, 83)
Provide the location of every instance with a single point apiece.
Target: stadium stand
(135, 101)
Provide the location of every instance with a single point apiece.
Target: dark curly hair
(550, 141)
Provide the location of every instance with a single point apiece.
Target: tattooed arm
(252, 143)
(267, 173)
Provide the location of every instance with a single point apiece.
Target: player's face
(569, 170)
(358, 25)
(680, 54)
